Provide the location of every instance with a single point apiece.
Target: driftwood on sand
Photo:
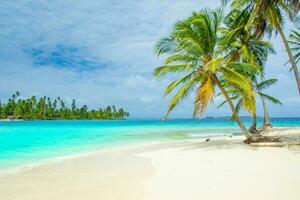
(261, 139)
(274, 137)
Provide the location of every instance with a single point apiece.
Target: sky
(101, 53)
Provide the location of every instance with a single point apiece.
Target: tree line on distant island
(46, 109)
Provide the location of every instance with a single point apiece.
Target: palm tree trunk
(236, 116)
(266, 113)
(267, 123)
(253, 129)
(291, 57)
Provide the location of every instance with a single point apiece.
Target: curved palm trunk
(266, 113)
(253, 129)
(267, 122)
(243, 128)
(291, 57)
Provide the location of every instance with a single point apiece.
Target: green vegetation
(226, 54)
(267, 17)
(194, 48)
(245, 46)
(45, 109)
(265, 97)
(295, 43)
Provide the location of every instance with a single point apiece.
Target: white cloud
(118, 36)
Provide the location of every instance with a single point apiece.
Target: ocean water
(28, 142)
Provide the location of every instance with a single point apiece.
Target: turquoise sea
(27, 142)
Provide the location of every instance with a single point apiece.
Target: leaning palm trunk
(291, 57)
(243, 128)
(267, 123)
(253, 129)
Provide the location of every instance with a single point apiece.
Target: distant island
(46, 109)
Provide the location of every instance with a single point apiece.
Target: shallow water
(26, 142)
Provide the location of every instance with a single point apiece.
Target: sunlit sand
(223, 168)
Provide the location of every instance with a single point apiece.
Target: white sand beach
(223, 168)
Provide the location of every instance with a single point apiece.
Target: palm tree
(269, 13)
(242, 45)
(193, 49)
(263, 96)
(44, 108)
(259, 87)
(295, 42)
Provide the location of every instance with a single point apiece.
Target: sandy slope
(223, 168)
(223, 171)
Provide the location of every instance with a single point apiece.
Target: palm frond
(214, 65)
(204, 95)
(163, 70)
(183, 92)
(165, 45)
(225, 101)
(238, 80)
(270, 98)
(265, 84)
(176, 83)
(295, 44)
(175, 58)
(245, 68)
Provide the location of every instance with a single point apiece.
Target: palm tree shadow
(213, 144)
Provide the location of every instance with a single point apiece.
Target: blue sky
(101, 53)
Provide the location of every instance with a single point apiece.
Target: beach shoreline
(276, 131)
(35, 164)
(192, 168)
